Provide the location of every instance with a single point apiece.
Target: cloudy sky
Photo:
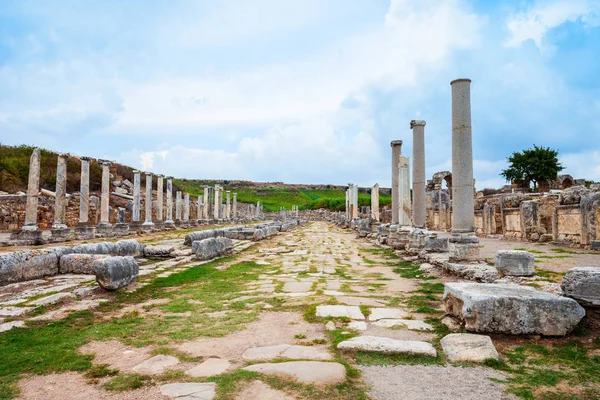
(301, 91)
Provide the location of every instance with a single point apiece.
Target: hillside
(14, 168)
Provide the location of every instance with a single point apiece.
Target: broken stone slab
(200, 235)
(155, 365)
(286, 351)
(96, 248)
(161, 251)
(515, 263)
(317, 372)
(476, 272)
(358, 325)
(411, 324)
(511, 309)
(296, 287)
(387, 313)
(583, 285)
(436, 244)
(330, 326)
(210, 248)
(79, 263)
(384, 345)
(52, 299)
(210, 367)
(14, 311)
(352, 312)
(18, 266)
(114, 273)
(129, 247)
(13, 324)
(190, 391)
(468, 347)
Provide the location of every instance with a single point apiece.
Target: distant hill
(14, 171)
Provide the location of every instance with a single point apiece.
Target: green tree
(533, 165)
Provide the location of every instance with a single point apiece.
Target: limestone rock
(387, 313)
(155, 365)
(52, 299)
(26, 265)
(412, 324)
(286, 351)
(511, 309)
(113, 273)
(330, 326)
(190, 391)
(515, 263)
(477, 272)
(258, 390)
(129, 247)
(200, 235)
(210, 367)
(583, 285)
(316, 372)
(296, 287)
(358, 325)
(79, 263)
(352, 312)
(384, 345)
(572, 195)
(161, 251)
(468, 347)
(14, 311)
(96, 248)
(13, 324)
(213, 247)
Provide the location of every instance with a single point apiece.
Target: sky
(300, 91)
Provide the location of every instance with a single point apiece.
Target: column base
(121, 229)
(159, 225)
(84, 232)
(463, 247)
(104, 229)
(28, 236)
(169, 224)
(60, 234)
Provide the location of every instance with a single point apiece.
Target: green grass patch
(126, 382)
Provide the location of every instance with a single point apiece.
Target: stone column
(258, 209)
(199, 210)
(169, 222)
(217, 207)
(137, 197)
(186, 208)
(178, 201)
(355, 201)
(463, 245)
(60, 199)
(404, 213)
(105, 198)
(84, 192)
(148, 203)
(348, 204)
(228, 205)
(159, 198)
(33, 189)
(205, 214)
(396, 153)
(375, 203)
(419, 181)
(235, 206)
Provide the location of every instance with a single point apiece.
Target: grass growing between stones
(549, 275)
(564, 371)
(52, 347)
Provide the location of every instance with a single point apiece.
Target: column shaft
(105, 199)
(84, 191)
(159, 197)
(60, 200)
(169, 202)
(375, 203)
(137, 197)
(396, 153)
(148, 202)
(404, 213)
(33, 189)
(418, 128)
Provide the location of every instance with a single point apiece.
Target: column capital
(106, 163)
(135, 171)
(85, 158)
(396, 143)
(467, 80)
(416, 122)
(148, 173)
(64, 155)
(160, 176)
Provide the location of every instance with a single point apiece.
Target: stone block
(384, 345)
(212, 247)
(113, 273)
(26, 265)
(476, 272)
(129, 247)
(468, 347)
(595, 245)
(545, 238)
(436, 244)
(515, 263)
(583, 285)
(511, 309)
(161, 251)
(96, 248)
(316, 372)
(200, 235)
(79, 263)
(463, 248)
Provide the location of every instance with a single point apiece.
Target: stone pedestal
(463, 247)
(28, 237)
(104, 230)
(84, 232)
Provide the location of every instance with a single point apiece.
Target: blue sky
(301, 91)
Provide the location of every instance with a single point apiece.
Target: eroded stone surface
(512, 309)
(156, 364)
(352, 312)
(515, 263)
(316, 372)
(210, 367)
(297, 287)
(468, 347)
(190, 391)
(583, 285)
(383, 345)
(286, 351)
(387, 313)
(411, 324)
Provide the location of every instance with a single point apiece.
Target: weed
(125, 382)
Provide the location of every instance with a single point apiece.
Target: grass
(126, 382)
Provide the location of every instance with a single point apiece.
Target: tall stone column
(186, 207)
(228, 204)
(199, 210)
(396, 153)
(217, 207)
(159, 198)
(375, 203)
(60, 199)
(178, 201)
(137, 197)
(104, 224)
(463, 245)
(148, 202)
(404, 213)
(234, 206)
(419, 181)
(84, 192)
(33, 190)
(169, 222)
(348, 204)
(258, 209)
(355, 201)
(205, 213)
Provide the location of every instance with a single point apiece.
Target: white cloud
(543, 16)
(582, 165)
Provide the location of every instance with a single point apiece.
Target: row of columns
(30, 229)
